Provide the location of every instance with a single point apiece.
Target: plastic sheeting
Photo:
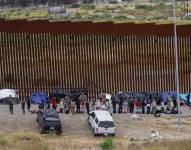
(185, 97)
(39, 98)
(4, 93)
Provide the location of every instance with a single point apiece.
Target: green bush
(107, 144)
(160, 17)
(2, 140)
(144, 7)
(120, 17)
(113, 2)
(87, 6)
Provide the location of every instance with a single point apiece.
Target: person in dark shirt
(28, 104)
(188, 99)
(143, 105)
(87, 106)
(131, 107)
(41, 106)
(10, 102)
(23, 106)
(120, 106)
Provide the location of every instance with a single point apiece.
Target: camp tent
(39, 98)
(5, 93)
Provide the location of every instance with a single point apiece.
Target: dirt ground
(76, 130)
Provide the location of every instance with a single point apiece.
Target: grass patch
(87, 6)
(107, 144)
(164, 145)
(34, 146)
(144, 7)
(3, 141)
(24, 141)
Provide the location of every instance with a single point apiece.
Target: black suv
(49, 121)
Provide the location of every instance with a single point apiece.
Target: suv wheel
(95, 134)
(59, 131)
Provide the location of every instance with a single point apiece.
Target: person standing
(93, 105)
(114, 106)
(87, 106)
(120, 106)
(125, 106)
(28, 104)
(53, 103)
(10, 102)
(154, 105)
(83, 106)
(61, 106)
(98, 104)
(23, 106)
(72, 106)
(131, 106)
(110, 108)
(78, 102)
(188, 99)
(143, 105)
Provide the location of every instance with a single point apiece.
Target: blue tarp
(166, 94)
(39, 98)
(184, 97)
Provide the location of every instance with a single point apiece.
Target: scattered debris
(136, 117)
(157, 115)
(134, 139)
(155, 135)
(25, 138)
(131, 139)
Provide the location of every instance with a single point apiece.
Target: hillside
(160, 12)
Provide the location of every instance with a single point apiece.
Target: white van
(101, 122)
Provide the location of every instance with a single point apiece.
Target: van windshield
(106, 124)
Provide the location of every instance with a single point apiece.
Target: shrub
(2, 140)
(87, 6)
(107, 144)
(144, 7)
(120, 17)
(160, 17)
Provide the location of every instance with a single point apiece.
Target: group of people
(11, 102)
(67, 105)
(152, 105)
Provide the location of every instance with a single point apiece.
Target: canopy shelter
(6, 93)
(39, 98)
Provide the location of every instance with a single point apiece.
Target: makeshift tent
(166, 94)
(39, 98)
(185, 96)
(5, 93)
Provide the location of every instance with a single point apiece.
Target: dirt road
(77, 125)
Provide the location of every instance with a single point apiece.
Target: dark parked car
(49, 121)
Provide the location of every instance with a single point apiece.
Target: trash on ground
(136, 117)
(155, 135)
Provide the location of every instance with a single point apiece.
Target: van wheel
(113, 134)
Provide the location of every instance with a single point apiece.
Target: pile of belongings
(136, 117)
(155, 135)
